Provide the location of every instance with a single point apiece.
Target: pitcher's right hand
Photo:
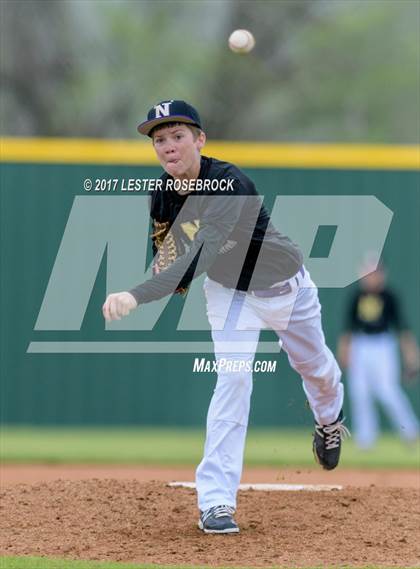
(117, 305)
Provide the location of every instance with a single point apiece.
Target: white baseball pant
(236, 319)
(374, 374)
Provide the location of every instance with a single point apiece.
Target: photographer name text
(136, 185)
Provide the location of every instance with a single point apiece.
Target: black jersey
(221, 230)
(374, 313)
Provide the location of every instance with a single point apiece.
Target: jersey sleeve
(396, 317)
(219, 217)
(350, 317)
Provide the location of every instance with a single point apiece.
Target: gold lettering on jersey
(190, 228)
(370, 308)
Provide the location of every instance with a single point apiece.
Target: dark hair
(194, 129)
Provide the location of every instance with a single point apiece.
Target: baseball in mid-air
(241, 41)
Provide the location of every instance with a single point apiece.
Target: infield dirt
(149, 522)
(30, 473)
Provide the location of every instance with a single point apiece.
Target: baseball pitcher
(208, 218)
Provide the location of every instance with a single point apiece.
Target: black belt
(285, 288)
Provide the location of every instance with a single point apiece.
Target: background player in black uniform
(369, 349)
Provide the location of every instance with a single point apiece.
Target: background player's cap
(169, 111)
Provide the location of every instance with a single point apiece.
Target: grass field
(184, 447)
(43, 563)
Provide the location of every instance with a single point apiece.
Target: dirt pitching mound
(148, 522)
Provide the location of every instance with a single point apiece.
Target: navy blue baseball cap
(169, 111)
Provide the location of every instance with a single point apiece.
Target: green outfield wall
(39, 183)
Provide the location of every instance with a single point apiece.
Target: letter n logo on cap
(162, 110)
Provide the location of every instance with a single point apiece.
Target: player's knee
(237, 379)
(322, 367)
